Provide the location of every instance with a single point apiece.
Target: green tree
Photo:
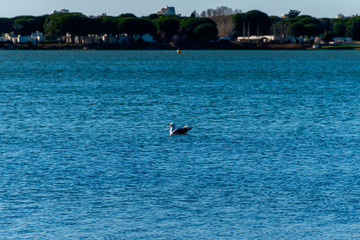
(339, 28)
(274, 19)
(293, 13)
(58, 24)
(252, 23)
(25, 25)
(127, 15)
(353, 28)
(312, 26)
(152, 17)
(326, 29)
(146, 26)
(296, 29)
(108, 24)
(75, 24)
(206, 31)
(306, 19)
(281, 28)
(167, 26)
(6, 25)
(312, 30)
(189, 24)
(133, 26)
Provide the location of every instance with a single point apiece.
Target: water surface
(85, 152)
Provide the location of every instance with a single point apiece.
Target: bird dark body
(178, 131)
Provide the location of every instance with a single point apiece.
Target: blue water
(85, 152)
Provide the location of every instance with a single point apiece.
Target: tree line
(208, 25)
(293, 24)
(163, 27)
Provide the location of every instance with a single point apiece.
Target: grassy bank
(344, 46)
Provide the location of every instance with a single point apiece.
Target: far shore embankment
(165, 46)
(226, 45)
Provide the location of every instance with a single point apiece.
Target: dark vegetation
(177, 30)
(259, 23)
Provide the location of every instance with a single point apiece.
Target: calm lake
(85, 152)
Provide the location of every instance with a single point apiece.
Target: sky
(315, 8)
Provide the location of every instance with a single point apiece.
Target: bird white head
(172, 127)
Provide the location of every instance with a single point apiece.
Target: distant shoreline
(209, 46)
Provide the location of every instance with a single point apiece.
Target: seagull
(178, 131)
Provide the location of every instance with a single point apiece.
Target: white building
(264, 38)
(7, 37)
(342, 40)
(167, 11)
(3, 39)
(34, 38)
(110, 39)
(61, 11)
(38, 36)
(96, 39)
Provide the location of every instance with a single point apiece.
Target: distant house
(38, 36)
(297, 40)
(4, 39)
(92, 39)
(167, 11)
(263, 39)
(96, 39)
(147, 38)
(8, 37)
(61, 11)
(34, 38)
(110, 39)
(342, 40)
